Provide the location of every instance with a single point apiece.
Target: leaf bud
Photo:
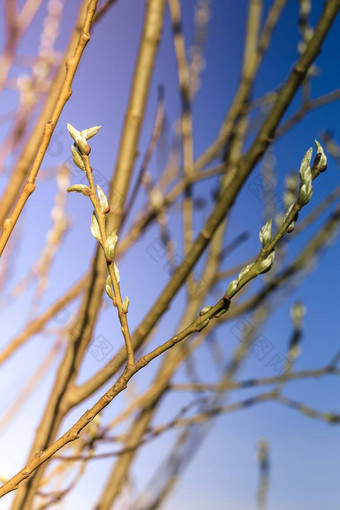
(244, 271)
(305, 193)
(232, 288)
(222, 312)
(125, 306)
(102, 198)
(305, 168)
(73, 131)
(90, 132)
(82, 145)
(116, 270)
(267, 263)
(322, 165)
(79, 188)
(95, 231)
(266, 234)
(203, 325)
(109, 291)
(110, 245)
(77, 159)
(205, 309)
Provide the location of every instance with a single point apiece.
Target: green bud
(73, 131)
(82, 144)
(109, 291)
(125, 306)
(244, 271)
(77, 159)
(232, 288)
(266, 234)
(305, 193)
(102, 198)
(110, 245)
(95, 231)
(297, 313)
(203, 325)
(108, 287)
(323, 159)
(286, 214)
(291, 227)
(80, 188)
(116, 270)
(222, 312)
(90, 132)
(79, 139)
(205, 309)
(305, 169)
(267, 263)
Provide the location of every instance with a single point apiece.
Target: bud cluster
(80, 150)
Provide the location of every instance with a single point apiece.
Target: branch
(250, 383)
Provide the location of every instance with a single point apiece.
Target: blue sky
(304, 453)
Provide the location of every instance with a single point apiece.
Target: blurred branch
(31, 385)
(186, 127)
(247, 80)
(16, 25)
(263, 459)
(307, 107)
(102, 9)
(159, 122)
(250, 383)
(36, 325)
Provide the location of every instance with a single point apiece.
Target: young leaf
(267, 263)
(110, 245)
(73, 131)
(116, 270)
(82, 144)
(232, 287)
(109, 291)
(323, 159)
(244, 271)
(90, 132)
(266, 234)
(305, 168)
(80, 188)
(77, 159)
(102, 198)
(125, 305)
(95, 231)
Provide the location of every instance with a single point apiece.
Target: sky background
(304, 453)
